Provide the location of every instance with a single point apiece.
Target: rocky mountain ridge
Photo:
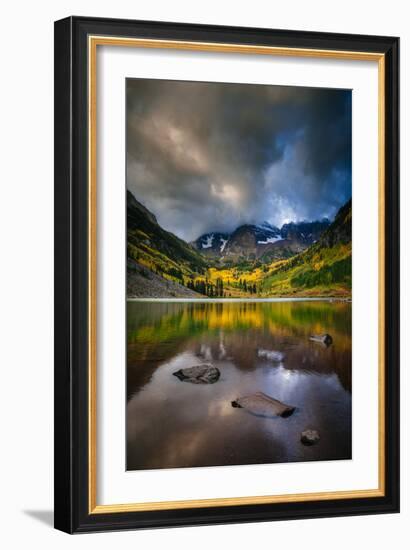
(263, 242)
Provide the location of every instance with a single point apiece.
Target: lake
(257, 346)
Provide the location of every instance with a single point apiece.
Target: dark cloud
(209, 156)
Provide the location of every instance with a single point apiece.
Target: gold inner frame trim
(93, 42)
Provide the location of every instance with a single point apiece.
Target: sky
(209, 157)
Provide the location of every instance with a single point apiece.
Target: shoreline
(347, 299)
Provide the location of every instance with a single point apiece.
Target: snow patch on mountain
(271, 240)
(208, 242)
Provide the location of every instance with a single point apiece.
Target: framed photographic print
(226, 274)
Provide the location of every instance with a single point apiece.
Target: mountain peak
(211, 244)
(267, 225)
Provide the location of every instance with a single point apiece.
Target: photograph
(227, 290)
(239, 274)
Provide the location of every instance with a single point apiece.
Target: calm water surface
(257, 346)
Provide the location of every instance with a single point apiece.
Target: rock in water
(261, 404)
(199, 374)
(325, 339)
(310, 437)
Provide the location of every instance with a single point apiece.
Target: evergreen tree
(219, 287)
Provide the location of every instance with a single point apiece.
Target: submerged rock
(261, 404)
(324, 339)
(199, 374)
(271, 355)
(310, 437)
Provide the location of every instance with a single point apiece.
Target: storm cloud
(210, 156)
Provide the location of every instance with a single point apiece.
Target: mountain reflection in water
(257, 346)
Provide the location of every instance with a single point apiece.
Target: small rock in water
(310, 437)
(261, 404)
(199, 374)
(325, 339)
(271, 355)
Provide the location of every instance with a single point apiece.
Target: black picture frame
(71, 487)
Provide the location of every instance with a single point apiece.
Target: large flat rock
(261, 404)
(198, 374)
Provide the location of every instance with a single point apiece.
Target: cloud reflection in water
(173, 424)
